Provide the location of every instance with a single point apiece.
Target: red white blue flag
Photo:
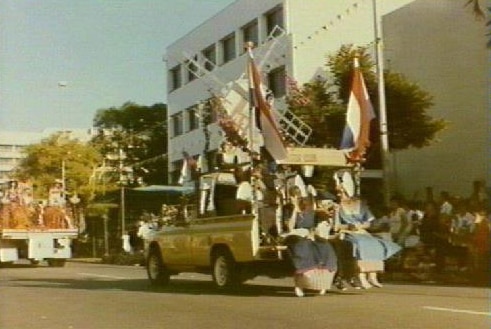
(265, 120)
(356, 135)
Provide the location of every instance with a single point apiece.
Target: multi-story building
(293, 38)
(441, 46)
(12, 144)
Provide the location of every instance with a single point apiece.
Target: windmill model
(235, 96)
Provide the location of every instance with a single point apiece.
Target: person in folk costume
(314, 259)
(12, 193)
(353, 217)
(244, 194)
(56, 194)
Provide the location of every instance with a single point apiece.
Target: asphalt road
(96, 296)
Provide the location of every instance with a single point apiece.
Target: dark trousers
(346, 261)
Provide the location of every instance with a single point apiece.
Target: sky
(62, 60)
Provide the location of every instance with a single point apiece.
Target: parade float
(36, 230)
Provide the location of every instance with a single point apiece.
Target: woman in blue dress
(314, 260)
(353, 218)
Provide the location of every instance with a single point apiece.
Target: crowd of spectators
(448, 234)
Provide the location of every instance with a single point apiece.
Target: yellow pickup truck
(231, 246)
(215, 240)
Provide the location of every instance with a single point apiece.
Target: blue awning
(165, 189)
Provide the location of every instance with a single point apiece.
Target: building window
(274, 18)
(277, 81)
(228, 48)
(6, 148)
(175, 77)
(192, 118)
(177, 124)
(250, 33)
(210, 57)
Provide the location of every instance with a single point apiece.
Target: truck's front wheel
(225, 272)
(157, 273)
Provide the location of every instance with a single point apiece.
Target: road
(99, 296)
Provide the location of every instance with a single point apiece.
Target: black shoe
(355, 283)
(340, 285)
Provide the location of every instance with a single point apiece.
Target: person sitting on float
(314, 259)
(352, 219)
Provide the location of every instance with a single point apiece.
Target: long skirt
(370, 248)
(370, 252)
(315, 263)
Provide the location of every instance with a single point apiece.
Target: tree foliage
(140, 132)
(44, 163)
(407, 105)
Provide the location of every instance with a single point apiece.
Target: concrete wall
(442, 47)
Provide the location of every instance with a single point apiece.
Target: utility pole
(384, 137)
(63, 181)
(121, 182)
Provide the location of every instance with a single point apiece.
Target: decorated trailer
(35, 230)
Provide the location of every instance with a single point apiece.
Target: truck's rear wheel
(225, 272)
(55, 262)
(157, 273)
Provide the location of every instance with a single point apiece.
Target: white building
(312, 30)
(13, 143)
(442, 47)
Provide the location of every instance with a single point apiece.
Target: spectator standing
(480, 247)
(400, 224)
(446, 205)
(429, 225)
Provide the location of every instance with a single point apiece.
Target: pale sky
(104, 52)
(107, 51)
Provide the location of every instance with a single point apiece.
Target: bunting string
(332, 23)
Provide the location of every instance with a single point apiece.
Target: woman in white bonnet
(352, 219)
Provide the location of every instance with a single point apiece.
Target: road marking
(454, 310)
(104, 276)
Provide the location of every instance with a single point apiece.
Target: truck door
(176, 246)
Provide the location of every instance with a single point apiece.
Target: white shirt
(144, 230)
(244, 191)
(446, 208)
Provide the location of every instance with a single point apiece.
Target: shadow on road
(176, 286)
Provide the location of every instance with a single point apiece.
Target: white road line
(454, 310)
(104, 276)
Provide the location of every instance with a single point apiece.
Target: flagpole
(249, 45)
(384, 138)
(252, 119)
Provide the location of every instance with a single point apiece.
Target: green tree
(45, 161)
(319, 108)
(140, 132)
